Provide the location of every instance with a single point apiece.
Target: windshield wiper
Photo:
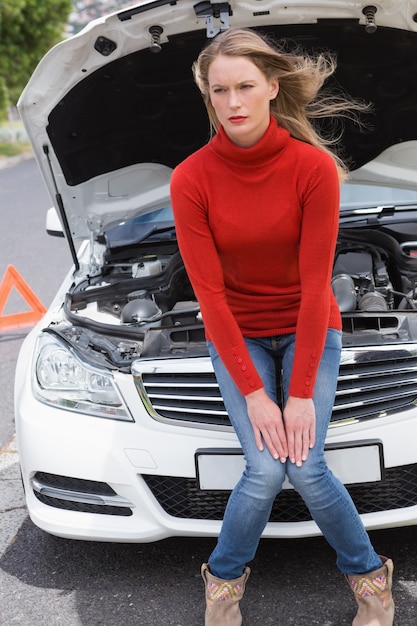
(376, 215)
(155, 230)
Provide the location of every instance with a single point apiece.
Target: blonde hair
(300, 76)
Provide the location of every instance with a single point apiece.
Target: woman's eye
(219, 90)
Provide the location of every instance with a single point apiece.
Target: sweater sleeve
(319, 229)
(202, 263)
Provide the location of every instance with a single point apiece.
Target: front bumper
(144, 473)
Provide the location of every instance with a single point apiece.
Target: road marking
(13, 510)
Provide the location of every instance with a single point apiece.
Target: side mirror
(53, 225)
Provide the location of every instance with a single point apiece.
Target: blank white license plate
(352, 463)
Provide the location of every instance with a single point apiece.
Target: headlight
(62, 380)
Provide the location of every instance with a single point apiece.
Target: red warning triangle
(11, 279)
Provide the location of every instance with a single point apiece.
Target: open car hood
(111, 111)
(396, 167)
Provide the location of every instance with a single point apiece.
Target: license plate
(353, 463)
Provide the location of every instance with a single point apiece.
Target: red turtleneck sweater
(257, 229)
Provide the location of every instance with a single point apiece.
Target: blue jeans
(251, 501)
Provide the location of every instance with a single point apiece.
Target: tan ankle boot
(373, 596)
(223, 597)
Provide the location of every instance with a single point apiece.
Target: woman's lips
(236, 119)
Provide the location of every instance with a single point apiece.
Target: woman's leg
(250, 502)
(326, 497)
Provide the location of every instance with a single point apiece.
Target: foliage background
(28, 28)
(87, 10)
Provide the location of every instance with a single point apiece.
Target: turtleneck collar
(272, 141)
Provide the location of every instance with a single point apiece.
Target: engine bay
(141, 303)
(373, 272)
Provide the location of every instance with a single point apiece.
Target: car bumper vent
(180, 497)
(372, 382)
(74, 494)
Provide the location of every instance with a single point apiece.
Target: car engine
(141, 303)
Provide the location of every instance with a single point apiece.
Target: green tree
(28, 28)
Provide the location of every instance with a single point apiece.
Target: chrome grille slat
(371, 400)
(178, 397)
(184, 409)
(371, 390)
(372, 374)
(372, 382)
(185, 385)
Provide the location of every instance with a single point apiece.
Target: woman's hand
(268, 427)
(300, 428)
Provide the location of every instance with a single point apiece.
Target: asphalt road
(41, 260)
(46, 581)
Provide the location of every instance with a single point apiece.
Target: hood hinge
(96, 250)
(218, 10)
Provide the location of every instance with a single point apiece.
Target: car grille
(180, 497)
(372, 382)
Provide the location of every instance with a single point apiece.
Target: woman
(256, 212)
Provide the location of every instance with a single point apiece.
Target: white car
(122, 432)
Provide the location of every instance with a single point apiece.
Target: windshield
(157, 224)
(362, 196)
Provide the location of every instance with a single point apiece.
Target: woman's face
(240, 95)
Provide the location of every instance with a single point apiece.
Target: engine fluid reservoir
(140, 309)
(344, 292)
(148, 266)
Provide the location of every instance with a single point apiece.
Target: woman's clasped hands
(287, 436)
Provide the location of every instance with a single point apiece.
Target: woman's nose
(234, 100)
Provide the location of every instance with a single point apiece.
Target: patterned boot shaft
(222, 598)
(373, 596)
